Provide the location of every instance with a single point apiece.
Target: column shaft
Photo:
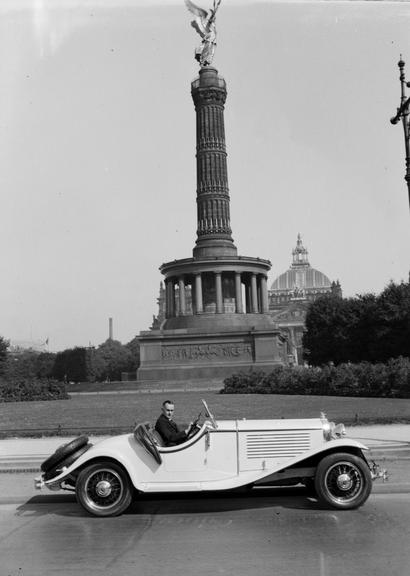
(248, 296)
(238, 293)
(218, 289)
(167, 299)
(182, 305)
(198, 294)
(171, 298)
(264, 294)
(254, 294)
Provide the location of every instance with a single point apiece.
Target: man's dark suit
(169, 431)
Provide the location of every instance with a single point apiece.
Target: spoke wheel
(343, 481)
(103, 489)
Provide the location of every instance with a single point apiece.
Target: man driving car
(168, 429)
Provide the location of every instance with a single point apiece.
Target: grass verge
(117, 413)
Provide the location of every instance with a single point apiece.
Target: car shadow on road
(257, 498)
(65, 504)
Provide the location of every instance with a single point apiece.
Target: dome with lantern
(301, 281)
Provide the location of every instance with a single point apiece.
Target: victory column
(217, 319)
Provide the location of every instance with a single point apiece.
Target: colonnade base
(177, 355)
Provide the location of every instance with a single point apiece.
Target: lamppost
(403, 114)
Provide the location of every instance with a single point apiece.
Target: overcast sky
(97, 151)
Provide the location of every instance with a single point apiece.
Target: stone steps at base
(183, 385)
(130, 386)
(152, 386)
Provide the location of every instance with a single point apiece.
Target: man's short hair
(167, 402)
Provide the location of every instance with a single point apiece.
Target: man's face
(168, 410)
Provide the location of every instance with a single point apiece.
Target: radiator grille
(280, 444)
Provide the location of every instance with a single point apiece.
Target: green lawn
(113, 413)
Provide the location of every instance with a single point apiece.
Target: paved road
(267, 532)
(278, 532)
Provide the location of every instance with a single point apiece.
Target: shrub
(23, 390)
(389, 380)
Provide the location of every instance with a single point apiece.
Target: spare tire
(55, 470)
(62, 452)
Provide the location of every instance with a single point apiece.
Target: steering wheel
(209, 415)
(193, 429)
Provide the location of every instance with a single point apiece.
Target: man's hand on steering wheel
(193, 427)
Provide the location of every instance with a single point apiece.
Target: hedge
(388, 380)
(23, 390)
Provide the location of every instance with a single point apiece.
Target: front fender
(342, 442)
(339, 445)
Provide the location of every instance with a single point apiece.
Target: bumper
(378, 472)
(39, 484)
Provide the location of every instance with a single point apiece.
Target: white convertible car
(218, 455)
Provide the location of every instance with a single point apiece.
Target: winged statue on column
(204, 24)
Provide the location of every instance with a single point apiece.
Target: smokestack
(110, 334)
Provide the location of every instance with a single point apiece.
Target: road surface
(279, 532)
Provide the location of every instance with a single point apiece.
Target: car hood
(244, 425)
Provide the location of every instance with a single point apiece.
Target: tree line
(366, 328)
(79, 364)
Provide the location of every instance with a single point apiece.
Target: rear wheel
(104, 489)
(343, 481)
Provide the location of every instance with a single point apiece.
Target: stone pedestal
(180, 355)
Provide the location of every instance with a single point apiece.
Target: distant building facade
(292, 292)
(20, 346)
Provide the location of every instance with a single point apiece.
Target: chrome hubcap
(103, 488)
(344, 482)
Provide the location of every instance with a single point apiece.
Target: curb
(20, 470)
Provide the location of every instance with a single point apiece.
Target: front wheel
(343, 481)
(104, 489)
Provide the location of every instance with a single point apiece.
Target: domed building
(291, 294)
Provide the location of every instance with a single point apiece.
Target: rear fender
(122, 449)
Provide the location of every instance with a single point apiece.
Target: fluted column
(182, 303)
(170, 298)
(167, 299)
(264, 294)
(254, 294)
(218, 290)
(213, 213)
(238, 293)
(198, 294)
(248, 297)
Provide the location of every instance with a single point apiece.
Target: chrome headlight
(339, 431)
(331, 431)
